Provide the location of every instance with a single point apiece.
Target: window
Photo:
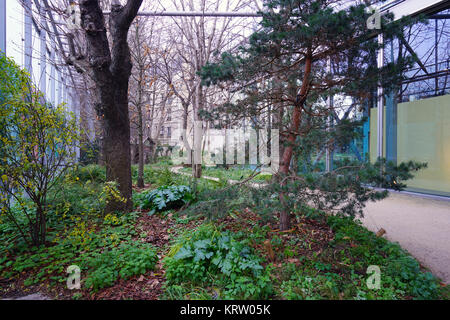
(169, 132)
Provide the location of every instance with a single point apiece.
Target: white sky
(15, 17)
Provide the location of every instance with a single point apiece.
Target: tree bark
(296, 118)
(285, 221)
(111, 70)
(140, 181)
(197, 145)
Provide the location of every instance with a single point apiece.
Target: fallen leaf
(381, 232)
(154, 284)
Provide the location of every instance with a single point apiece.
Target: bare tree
(150, 94)
(193, 43)
(139, 95)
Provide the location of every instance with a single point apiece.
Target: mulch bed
(148, 286)
(315, 237)
(161, 230)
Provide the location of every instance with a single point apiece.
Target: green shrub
(401, 273)
(157, 176)
(75, 238)
(125, 261)
(89, 152)
(75, 198)
(216, 258)
(218, 203)
(305, 287)
(92, 173)
(164, 198)
(37, 148)
(405, 273)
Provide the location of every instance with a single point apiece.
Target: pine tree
(284, 65)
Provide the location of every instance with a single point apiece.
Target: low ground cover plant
(164, 198)
(215, 258)
(233, 173)
(323, 257)
(124, 261)
(237, 253)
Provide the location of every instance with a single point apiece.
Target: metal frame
(391, 121)
(43, 51)
(195, 14)
(399, 7)
(3, 25)
(57, 88)
(380, 104)
(28, 43)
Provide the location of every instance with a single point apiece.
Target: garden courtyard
(224, 150)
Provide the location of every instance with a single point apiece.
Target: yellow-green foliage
(37, 147)
(111, 193)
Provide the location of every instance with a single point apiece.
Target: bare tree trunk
(111, 70)
(184, 134)
(140, 181)
(198, 105)
(118, 152)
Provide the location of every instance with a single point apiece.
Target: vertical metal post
(436, 47)
(28, 50)
(380, 108)
(52, 77)
(43, 52)
(59, 86)
(64, 86)
(391, 120)
(366, 131)
(3, 26)
(329, 154)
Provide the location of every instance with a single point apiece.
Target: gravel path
(419, 224)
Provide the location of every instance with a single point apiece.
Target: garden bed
(179, 254)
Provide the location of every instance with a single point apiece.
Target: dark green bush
(125, 261)
(217, 258)
(92, 173)
(164, 198)
(401, 273)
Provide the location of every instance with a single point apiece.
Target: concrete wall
(423, 134)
